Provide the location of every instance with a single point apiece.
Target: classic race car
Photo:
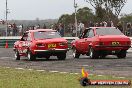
(97, 42)
(41, 43)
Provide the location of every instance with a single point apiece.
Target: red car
(41, 43)
(97, 42)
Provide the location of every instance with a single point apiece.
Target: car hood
(114, 38)
(54, 40)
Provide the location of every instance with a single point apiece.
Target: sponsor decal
(85, 81)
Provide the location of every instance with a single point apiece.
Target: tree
(65, 19)
(83, 14)
(126, 18)
(109, 8)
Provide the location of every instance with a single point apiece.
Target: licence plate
(115, 43)
(51, 45)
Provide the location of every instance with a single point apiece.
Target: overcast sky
(45, 9)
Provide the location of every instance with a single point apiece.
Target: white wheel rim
(15, 55)
(74, 53)
(91, 53)
(29, 56)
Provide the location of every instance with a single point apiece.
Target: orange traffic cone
(6, 45)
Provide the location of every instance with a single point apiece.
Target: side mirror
(80, 36)
(22, 39)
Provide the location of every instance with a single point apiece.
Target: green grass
(11, 78)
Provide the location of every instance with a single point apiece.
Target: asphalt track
(108, 66)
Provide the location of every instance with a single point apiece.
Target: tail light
(101, 43)
(40, 45)
(128, 43)
(63, 43)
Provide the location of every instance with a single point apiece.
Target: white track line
(84, 65)
(30, 69)
(40, 70)
(7, 67)
(19, 68)
(99, 75)
(91, 74)
(58, 72)
(63, 72)
(76, 73)
(121, 77)
(54, 71)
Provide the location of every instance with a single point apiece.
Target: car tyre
(17, 56)
(31, 56)
(61, 56)
(102, 56)
(121, 54)
(75, 54)
(47, 57)
(93, 54)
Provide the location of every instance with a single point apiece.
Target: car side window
(91, 33)
(24, 37)
(85, 33)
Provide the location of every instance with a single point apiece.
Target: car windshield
(46, 35)
(108, 31)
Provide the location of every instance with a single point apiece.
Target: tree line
(104, 10)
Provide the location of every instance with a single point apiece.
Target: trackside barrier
(12, 39)
(9, 40)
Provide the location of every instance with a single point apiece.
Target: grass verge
(12, 78)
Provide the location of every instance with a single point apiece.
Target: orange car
(41, 43)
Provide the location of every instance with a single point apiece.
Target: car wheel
(61, 56)
(75, 54)
(47, 57)
(30, 56)
(93, 54)
(17, 56)
(121, 54)
(102, 56)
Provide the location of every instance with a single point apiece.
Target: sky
(45, 9)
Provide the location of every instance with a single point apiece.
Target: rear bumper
(98, 47)
(51, 52)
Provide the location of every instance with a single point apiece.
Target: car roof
(99, 27)
(42, 30)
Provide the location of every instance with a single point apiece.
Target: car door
(82, 41)
(27, 42)
(22, 43)
(87, 40)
